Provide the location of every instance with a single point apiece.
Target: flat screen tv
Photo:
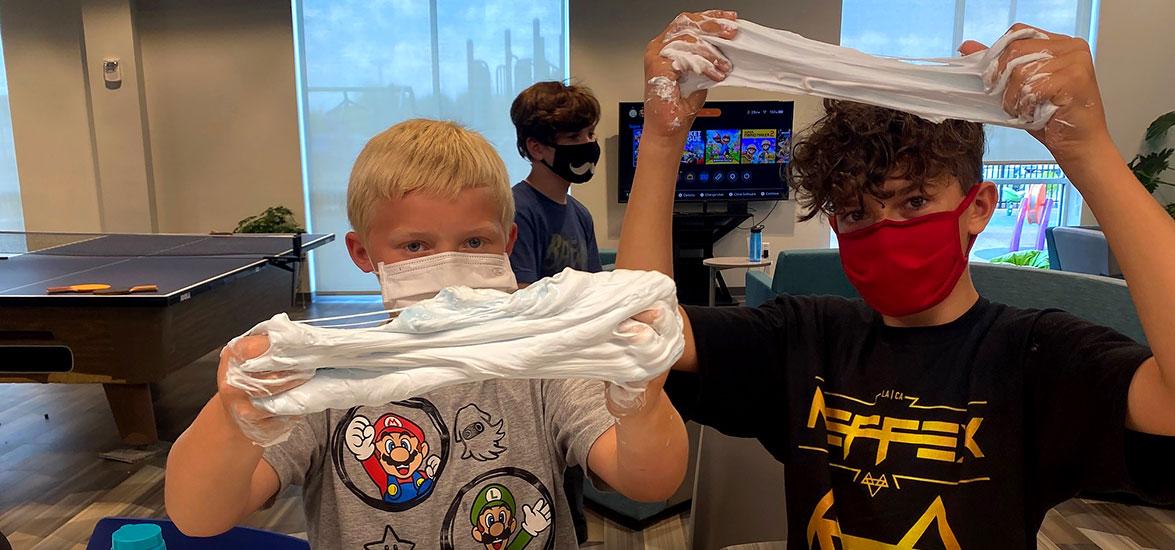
(736, 151)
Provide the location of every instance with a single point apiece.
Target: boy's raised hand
(1139, 231)
(1066, 79)
(666, 112)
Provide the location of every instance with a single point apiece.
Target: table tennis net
(18, 243)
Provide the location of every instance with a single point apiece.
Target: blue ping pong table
(210, 288)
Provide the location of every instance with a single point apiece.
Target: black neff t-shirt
(955, 436)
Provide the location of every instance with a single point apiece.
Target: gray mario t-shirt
(474, 466)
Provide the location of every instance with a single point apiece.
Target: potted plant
(275, 219)
(1150, 164)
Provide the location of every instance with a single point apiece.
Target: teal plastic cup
(138, 536)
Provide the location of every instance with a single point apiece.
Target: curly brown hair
(547, 109)
(855, 148)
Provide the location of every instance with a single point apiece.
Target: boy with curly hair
(925, 415)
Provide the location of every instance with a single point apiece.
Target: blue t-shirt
(551, 236)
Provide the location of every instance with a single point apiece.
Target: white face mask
(405, 283)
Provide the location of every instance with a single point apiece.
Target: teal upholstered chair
(1101, 300)
(800, 272)
(608, 258)
(738, 493)
(1081, 249)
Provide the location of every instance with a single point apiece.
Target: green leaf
(1159, 127)
(276, 219)
(1028, 258)
(1147, 168)
(1171, 209)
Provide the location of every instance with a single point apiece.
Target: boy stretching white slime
(477, 464)
(924, 415)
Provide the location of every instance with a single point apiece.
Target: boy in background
(556, 128)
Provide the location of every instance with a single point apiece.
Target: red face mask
(904, 267)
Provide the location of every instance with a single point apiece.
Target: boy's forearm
(646, 237)
(209, 473)
(1141, 235)
(652, 450)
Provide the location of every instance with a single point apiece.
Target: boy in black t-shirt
(925, 416)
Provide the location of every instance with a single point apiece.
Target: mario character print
(396, 454)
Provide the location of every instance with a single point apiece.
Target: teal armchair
(800, 272)
(1102, 300)
(608, 258)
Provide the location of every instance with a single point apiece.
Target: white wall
(1136, 71)
(118, 119)
(202, 133)
(220, 91)
(608, 39)
(49, 102)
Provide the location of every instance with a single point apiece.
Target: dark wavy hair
(547, 109)
(855, 148)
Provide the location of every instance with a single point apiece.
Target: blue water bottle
(138, 536)
(755, 244)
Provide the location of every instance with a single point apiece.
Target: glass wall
(11, 215)
(365, 65)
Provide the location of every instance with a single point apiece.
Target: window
(1021, 167)
(365, 65)
(11, 215)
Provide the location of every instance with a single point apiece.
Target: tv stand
(694, 235)
(732, 208)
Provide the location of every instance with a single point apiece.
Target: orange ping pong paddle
(131, 290)
(83, 288)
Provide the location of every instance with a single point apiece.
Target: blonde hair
(437, 157)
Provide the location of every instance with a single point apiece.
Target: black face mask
(575, 163)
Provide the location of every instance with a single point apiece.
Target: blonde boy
(471, 466)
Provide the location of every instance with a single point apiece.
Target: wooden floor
(54, 487)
